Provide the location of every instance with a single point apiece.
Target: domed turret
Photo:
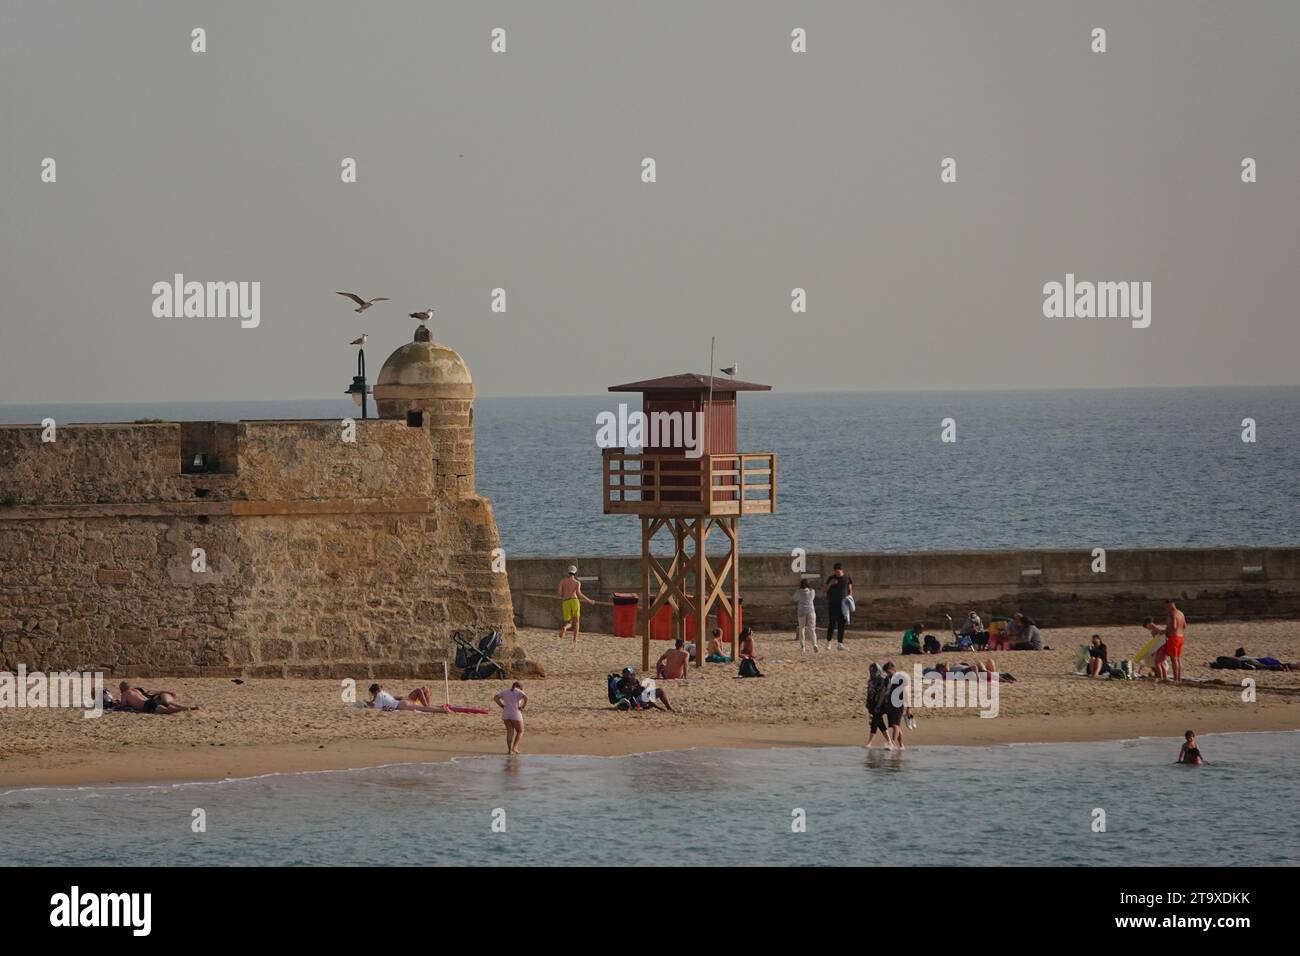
(429, 385)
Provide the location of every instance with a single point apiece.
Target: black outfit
(835, 605)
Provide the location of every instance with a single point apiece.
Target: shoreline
(297, 725)
(171, 766)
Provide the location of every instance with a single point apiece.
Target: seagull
(424, 316)
(360, 341)
(730, 370)
(362, 304)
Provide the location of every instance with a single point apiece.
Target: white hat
(573, 569)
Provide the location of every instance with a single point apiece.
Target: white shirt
(385, 701)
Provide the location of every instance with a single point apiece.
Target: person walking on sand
(806, 614)
(838, 587)
(877, 691)
(512, 703)
(571, 596)
(1175, 627)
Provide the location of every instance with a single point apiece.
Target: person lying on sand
(986, 666)
(1190, 753)
(1239, 661)
(417, 699)
(149, 702)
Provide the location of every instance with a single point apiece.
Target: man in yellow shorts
(571, 596)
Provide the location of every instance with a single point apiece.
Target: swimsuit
(1174, 646)
(572, 609)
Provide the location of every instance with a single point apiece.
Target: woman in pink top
(512, 703)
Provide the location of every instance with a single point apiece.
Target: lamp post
(358, 389)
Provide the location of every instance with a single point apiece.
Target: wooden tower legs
(691, 583)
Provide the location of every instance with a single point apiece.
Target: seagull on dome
(424, 316)
(362, 304)
(362, 340)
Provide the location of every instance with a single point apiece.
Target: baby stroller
(475, 661)
(965, 642)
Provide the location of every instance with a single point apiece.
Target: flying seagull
(360, 341)
(730, 370)
(424, 316)
(362, 304)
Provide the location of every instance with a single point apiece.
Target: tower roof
(424, 368)
(691, 382)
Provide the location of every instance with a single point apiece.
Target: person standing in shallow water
(512, 703)
(1190, 753)
(571, 598)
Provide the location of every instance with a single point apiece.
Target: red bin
(724, 619)
(625, 614)
(661, 625)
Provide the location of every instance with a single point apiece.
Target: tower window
(415, 419)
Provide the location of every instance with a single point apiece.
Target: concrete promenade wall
(1057, 588)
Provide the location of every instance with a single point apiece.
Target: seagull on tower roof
(362, 304)
(424, 316)
(360, 341)
(730, 370)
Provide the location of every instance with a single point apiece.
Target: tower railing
(658, 484)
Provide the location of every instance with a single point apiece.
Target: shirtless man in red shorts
(1175, 626)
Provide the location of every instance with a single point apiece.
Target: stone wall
(322, 558)
(894, 590)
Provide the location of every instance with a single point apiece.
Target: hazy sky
(523, 171)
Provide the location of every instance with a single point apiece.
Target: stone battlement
(245, 461)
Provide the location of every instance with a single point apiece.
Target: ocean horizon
(867, 471)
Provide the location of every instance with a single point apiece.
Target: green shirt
(911, 642)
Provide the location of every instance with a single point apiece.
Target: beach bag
(612, 688)
(748, 668)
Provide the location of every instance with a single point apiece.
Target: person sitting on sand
(149, 701)
(672, 663)
(716, 655)
(1097, 663)
(417, 699)
(1032, 638)
(748, 657)
(912, 639)
(1190, 752)
(630, 687)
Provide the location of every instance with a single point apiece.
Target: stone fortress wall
(323, 558)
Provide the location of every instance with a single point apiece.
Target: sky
(523, 171)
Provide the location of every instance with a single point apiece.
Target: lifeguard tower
(685, 494)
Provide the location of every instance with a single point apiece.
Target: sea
(1119, 803)
(869, 471)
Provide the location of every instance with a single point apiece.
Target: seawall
(1057, 588)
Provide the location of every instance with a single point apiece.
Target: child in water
(1190, 752)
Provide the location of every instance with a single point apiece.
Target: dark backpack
(748, 668)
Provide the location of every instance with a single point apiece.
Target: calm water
(1026, 804)
(867, 472)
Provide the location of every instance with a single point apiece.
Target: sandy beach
(805, 700)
